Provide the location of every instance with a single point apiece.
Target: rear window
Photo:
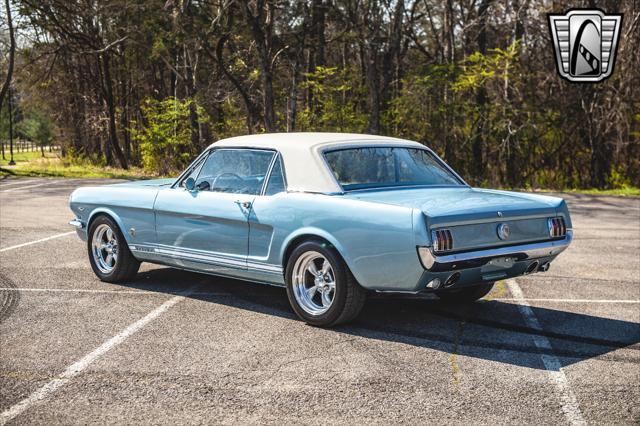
(379, 167)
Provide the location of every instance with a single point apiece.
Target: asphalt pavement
(178, 347)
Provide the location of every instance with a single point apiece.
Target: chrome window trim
(438, 160)
(211, 151)
(267, 176)
(277, 157)
(191, 166)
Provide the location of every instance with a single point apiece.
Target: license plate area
(499, 264)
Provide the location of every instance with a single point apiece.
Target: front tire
(465, 295)
(109, 254)
(321, 289)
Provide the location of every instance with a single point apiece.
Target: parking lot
(178, 347)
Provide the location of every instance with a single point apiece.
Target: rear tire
(465, 295)
(109, 254)
(320, 287)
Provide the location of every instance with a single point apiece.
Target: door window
(194, 171)
(276, 179)
(237, 171)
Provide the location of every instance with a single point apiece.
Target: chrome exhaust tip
(532, 267)
(434, 284)
(544, 267)
(452, 279)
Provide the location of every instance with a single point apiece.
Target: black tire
(348, 296)
(126, 266)
(467, 294)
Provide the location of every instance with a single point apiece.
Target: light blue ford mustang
(330, 216)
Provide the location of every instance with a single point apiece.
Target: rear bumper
(479, 258)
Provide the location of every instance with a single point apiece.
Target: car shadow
(488, 329)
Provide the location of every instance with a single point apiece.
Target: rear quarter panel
(377, 241)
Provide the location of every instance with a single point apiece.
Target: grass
(33, 164)
(21, 157)
(626, 191)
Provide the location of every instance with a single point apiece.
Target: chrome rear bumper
(472, 259)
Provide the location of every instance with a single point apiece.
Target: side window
(238, 171)
(276, 180)
(195, 170)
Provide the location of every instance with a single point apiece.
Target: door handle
(244, 204)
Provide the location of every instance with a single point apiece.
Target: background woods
(150, 83)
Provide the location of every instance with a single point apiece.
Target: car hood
(464, 203)
(150, 182)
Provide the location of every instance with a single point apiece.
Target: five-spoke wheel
(320, 287)
(109, 255)
(105, 248)
(314, 283)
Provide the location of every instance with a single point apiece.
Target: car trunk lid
(473, 215)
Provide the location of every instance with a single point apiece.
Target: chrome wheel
(104, 247)
(314, 283)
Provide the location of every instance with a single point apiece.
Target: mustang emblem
(503, 231)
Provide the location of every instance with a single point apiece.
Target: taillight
(557, 227)
(442, 240)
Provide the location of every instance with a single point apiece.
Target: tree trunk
(478, 166)
(111, 110)
(262, 31)
(12, 52)
(373, 83)
(253, 114)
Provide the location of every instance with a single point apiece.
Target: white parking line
(77, 367)
(91, 290)
(569, 403)
(41, 240)
(571, 300)
(27, 186)
(17, 181)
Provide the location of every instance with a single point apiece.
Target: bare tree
(12, 52)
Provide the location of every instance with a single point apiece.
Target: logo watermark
(585, 42)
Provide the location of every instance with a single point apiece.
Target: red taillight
(442, 240)
(557, 227)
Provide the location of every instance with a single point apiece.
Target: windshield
(364, 168)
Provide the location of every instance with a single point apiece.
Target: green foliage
(165, 140)
(335, 108)
(502, 117)
(37, 127)
(480, 70)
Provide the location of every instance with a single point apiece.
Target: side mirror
(203, 186)
(190, 184)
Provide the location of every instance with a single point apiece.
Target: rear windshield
(364, 168)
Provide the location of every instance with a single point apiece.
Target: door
(208, 225)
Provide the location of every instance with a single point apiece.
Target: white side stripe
(41, 240)
(569, 404)
(77, 367)
(203, 256)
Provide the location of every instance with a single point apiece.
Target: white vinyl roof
(305, 168)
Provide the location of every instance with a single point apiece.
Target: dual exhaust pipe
(437, 283)
(536, 266)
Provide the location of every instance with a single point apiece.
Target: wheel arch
(104, 211)
(310, 234)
